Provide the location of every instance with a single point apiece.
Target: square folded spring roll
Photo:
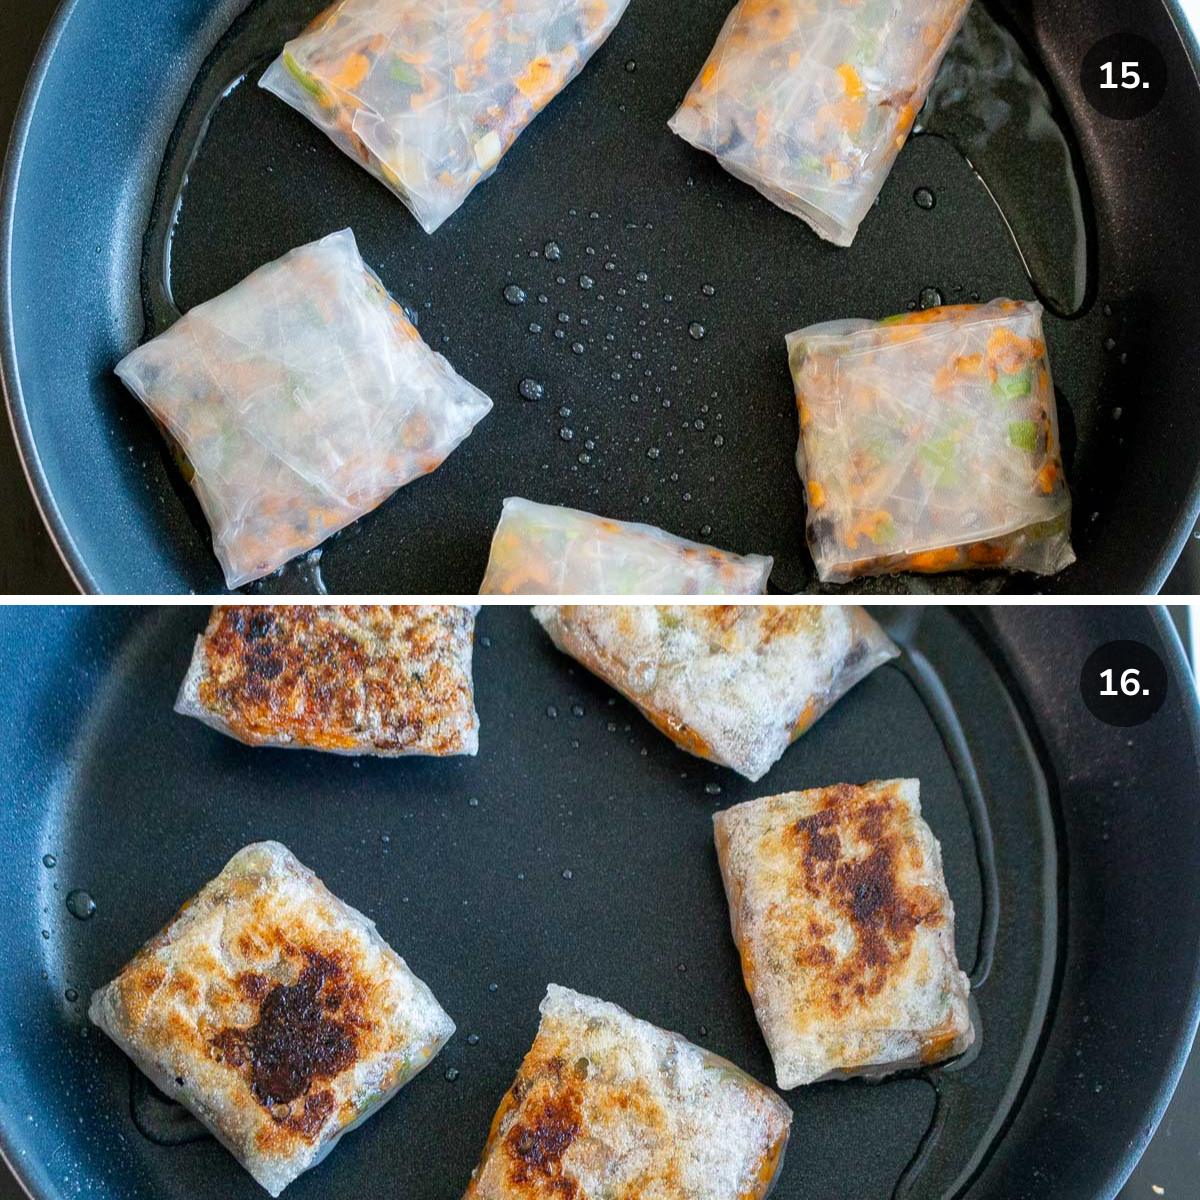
(810, 101)
(275, 1013)
(429, 95)
(375, 680)
(541, 550)
(302, 399)
(605, 1105)
(840, 912)
(734, 685)
(929, 442)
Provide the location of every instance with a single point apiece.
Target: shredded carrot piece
(852, 82)
(353, 72)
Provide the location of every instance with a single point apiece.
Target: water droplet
(924, 198)
(653, 452)
(551, 711)
(642, 277)
(534, 327)
(697, 331)
(564, 411)
(1110, 344)
(585, 459)
(515, 295)
(568, 874)
(930, 297)
(493, 987)
(705, 530)
(472, 1039)
(586, 282)
(553, 251)
(713, 789)
(80, 904)
(564, 318)
(577, 347)
(682, 968)
(71, 995)
(718, 440)
(566, 434)
(1118, 413)
(704, 1031)
(530, 389)
(451, 1074)
(577, 710)
(49, 861)
(474, 802)
(631, 65)
(709, 290)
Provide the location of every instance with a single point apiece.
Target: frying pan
(130, 108)
(578, 848)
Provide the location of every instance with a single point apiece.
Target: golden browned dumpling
(275, 1013)
(606, 1105)
(383, 680)
(846, 931)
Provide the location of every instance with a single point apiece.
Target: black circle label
(1124, 76)
(1123, 683)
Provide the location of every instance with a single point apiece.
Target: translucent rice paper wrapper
(302, 399)
(734, 684)
(810, 101)
(428, 95)
(929, 442)
(540, 550)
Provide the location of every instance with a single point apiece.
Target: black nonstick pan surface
(130, 109)
(577, 848)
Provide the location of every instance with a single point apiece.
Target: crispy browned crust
(840, 913)
(379, 679)
(872, 894)
(571, 1115)
(299, 1027)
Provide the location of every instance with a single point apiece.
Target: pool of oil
(638, 368)
(577, 848)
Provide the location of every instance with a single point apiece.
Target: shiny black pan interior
(126, 103)
(577, 848)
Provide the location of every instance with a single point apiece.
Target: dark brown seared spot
(867, 892)
(537, 1143)
(306, 1031)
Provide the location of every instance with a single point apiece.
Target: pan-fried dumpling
(275, 1013)
(839, 908)
(735, 685)
(351, 679)
(605, 1105)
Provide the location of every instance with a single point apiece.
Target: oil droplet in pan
(81, 905)
(989, 102)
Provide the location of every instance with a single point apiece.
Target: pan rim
(88, 579)
(1175, 1055)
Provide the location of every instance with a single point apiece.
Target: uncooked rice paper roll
(541, 550)
(810, 101)
(302, 399)
(929, 442)
(429, 95)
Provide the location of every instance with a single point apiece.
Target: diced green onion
(1023, 434)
